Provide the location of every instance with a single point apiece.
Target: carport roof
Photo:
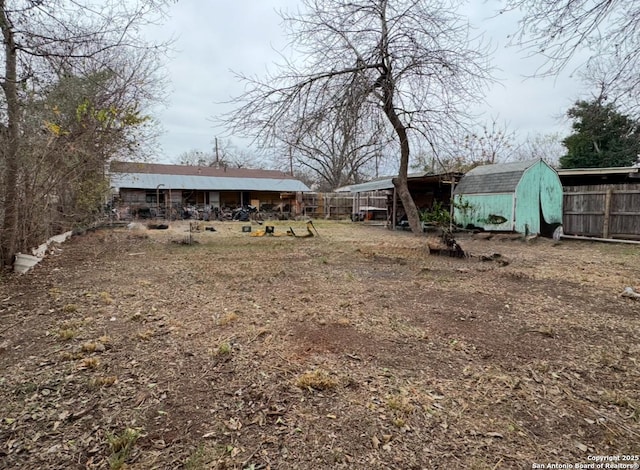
(386, 183)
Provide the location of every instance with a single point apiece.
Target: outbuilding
(523, 197)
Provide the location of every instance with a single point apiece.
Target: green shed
(523, 197)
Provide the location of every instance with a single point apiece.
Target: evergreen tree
(602, 137)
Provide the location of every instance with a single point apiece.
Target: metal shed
(523, 197)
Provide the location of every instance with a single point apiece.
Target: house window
(152, 197)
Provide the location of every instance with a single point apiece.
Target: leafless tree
(224, 154)
(409, 63)
(605, 31)
(74, 77)
(547, 147)
(337, 151)
(467, 148)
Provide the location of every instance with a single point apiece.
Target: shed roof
(387, 182)
(150, 176)
(498, 178)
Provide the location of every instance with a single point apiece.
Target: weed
(104, 339)
(121, 446)
(70, 356)
(399, 423)
(105, 298)
(67, 334)
(399, 404)
(89, 347)
(55, 293)
(103, 381)
(230, 318)
(70, 308)
(89, 363)
(224, 349)
(136, 317)
(198, 460)
(318, 379)
(145, 335)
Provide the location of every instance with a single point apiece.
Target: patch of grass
(400, 404)
(224, 349)
(67, 334)
(89, 363)
(70, 356)
(70, 308)
(55, 293)
(106, 298)
(317, 380)
(121, 446)
(89, 347)
(136, 317)
(145, 335)
(228, 319)
(103, 381)
(200, 459)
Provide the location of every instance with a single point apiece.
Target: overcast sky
(214, 38)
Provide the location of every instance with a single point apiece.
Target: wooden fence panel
(606, 211)
(340, 205)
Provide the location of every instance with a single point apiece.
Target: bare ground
(354, 349)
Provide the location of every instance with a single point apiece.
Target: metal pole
(158, 199)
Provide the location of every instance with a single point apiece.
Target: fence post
(607, 213)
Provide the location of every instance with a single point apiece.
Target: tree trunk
(401, 181)
(9, 236)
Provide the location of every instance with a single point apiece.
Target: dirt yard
(354, 349)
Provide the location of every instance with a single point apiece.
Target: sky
(214, 39)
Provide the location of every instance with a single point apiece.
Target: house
(523, 197)
(602, 202)
(169, 190)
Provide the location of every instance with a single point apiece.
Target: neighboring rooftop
(152, 175)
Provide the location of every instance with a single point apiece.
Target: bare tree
(547, 147)
(411, 64)
(73, 81)
(224, 154)
(337, 151)
(468, 148)
(606, 31)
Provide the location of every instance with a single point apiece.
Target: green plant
(224, 349)
(198, 460)
(121, 446)
(438, 215)
(67, 334)
(466, 210)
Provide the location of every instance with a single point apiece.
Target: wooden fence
(340, 205)
(605, 211)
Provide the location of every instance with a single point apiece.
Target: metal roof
(205, 183)
(387, 182)
(499, 178)
(622, 170)
(376, 185)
